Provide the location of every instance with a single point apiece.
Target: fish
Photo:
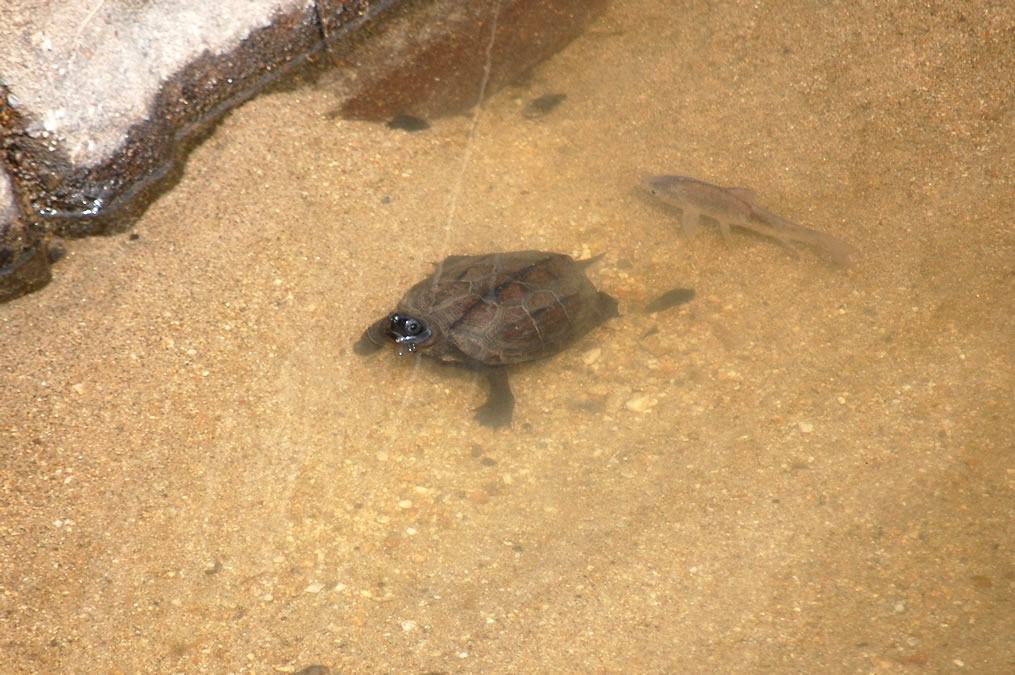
(731, 206)
(673, 298)
(407, 123)
(542, 106)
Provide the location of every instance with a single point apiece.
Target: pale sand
(803, 470)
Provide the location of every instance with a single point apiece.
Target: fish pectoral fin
(724, 230)
(690, 221)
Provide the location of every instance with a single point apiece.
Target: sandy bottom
(806, 469)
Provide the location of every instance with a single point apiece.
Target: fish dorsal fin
(747, 194)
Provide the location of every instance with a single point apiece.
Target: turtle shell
(495, 309)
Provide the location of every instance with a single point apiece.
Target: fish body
(731, 206)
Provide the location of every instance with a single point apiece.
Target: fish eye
(413, 327)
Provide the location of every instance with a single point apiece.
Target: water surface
(804, 469)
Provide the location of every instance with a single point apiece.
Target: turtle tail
(582, 264)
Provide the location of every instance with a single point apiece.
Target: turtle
(487, 312)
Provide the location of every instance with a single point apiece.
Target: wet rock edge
(56, 199)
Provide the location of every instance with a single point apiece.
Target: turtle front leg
(500, 404)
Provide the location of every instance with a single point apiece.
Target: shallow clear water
(804, 469)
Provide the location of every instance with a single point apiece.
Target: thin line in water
(456, 187)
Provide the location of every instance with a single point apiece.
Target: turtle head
(408, 330)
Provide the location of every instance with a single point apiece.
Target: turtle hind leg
(607, 307)
(500, 404)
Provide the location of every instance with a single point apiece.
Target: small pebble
(591, 356)
(314, 588)
(805, 427)
(641, 404)
(315, 670)
(405, 504)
